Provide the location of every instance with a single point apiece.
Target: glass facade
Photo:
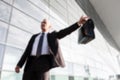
(19, 19)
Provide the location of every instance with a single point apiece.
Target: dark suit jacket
(56, 58)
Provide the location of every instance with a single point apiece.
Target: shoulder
(53, 32)
(34, 35)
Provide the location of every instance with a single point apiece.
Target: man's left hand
(82, 20)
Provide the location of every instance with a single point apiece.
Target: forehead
(45, 20)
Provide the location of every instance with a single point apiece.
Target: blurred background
(97, 60)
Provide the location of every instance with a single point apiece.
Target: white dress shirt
(44, 45)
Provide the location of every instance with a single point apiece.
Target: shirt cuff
(79, 24)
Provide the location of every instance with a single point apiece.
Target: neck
(44, 31)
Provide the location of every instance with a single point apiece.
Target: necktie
(39, 48)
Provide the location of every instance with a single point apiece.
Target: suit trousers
(36, 75)
(38, 70)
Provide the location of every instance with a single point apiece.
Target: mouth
(42, 25)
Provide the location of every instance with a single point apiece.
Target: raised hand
(82, 20)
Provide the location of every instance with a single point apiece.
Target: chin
(43, 29)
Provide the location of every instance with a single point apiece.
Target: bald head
(45, 25)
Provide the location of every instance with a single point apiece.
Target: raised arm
(62, 33)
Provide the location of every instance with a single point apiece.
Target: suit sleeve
(25, 54)
(62, 33)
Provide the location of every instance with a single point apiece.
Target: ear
(49, 25)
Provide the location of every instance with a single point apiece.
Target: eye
(44, 22)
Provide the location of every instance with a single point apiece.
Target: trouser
(36, 75)
(39, 70)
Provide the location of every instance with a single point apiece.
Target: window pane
(40, 4)
(3, 31)
(11, 76)
(9, 1)
(79, 70)
(0, 74)
(52, 77)
(18, 37)
(45, 1)
(12, 55)
(60, 77)
(78, 78)
(68, 70)
(23, 21)
(31, 8)
(4, 12)
(1, 54)
(85, 78)
(59, 9)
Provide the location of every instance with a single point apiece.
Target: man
(43, 52)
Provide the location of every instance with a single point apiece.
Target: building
(19, 19)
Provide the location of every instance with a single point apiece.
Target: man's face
(45, 25)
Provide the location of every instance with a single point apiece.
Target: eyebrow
(43, 21)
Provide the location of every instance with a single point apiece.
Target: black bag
(86, 32)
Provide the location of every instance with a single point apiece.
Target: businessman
(43, 52)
